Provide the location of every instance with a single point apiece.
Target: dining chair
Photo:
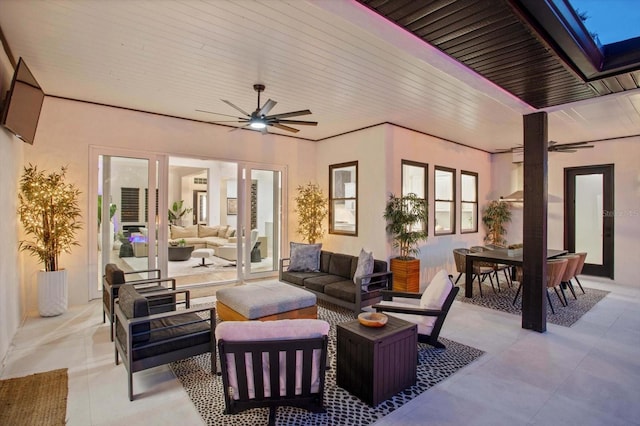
(479, 271)
(555, 271)
(507, 269)
(570, 272)
(494, 266)
(583, 257)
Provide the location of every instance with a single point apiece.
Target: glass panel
(444, 217)
(343, 198)
(414, 179)
(263, 217)
(468, 212)
(589, 229)
(468, 183)
(444, 185)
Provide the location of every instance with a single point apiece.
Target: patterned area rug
(565, 315)
(434, 365)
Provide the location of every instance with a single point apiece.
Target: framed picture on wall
(232, 206)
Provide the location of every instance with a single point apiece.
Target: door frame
(608, 206)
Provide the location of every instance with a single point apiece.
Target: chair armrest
(390, 294)
(133, 321)
(153, 280)
(409, 310)
(157, 271)
(284, 263)
(187, 295)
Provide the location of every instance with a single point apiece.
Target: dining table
(497, 255)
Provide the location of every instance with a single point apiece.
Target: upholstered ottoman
(203, 253)
(265, 301)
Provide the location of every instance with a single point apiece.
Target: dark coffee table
(179, 253)
(376, 363)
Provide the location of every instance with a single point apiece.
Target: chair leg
(479, 284)
(272, 415)
(457, 279)
(130, 385)
(517, 294)
(495, 274)
(579, 285)
(560, 297)
(550, 304)
(491, 280)
(573, 291)
(507, 277)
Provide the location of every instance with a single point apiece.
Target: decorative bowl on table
(372, 319)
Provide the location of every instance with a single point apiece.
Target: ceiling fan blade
(238, 128)
(290, 114)
(217, 113)
(299, 122)
(283, 127)
(236, 107)
(267, 107)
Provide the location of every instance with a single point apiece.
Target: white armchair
(230, 251)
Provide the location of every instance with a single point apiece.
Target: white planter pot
(52, 293)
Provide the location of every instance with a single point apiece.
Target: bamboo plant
(407, 219)
(48, 209)
(494, 217)
(311, 206)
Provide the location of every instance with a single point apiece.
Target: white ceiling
(349, 66)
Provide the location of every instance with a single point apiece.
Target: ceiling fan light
(257, 124)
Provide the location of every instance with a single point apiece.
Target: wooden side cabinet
(376, 363)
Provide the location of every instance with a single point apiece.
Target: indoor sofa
(334, 281)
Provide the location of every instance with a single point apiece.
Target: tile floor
(588, 374)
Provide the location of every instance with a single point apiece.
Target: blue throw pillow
(304, 257)
(365, 266)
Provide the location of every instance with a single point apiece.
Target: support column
(534, 267)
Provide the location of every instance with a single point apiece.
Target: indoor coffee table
(376, 363)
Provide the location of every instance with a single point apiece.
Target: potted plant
(48, 209)
(311, 206)
(495, 215)
(177, 212)
(407, 218)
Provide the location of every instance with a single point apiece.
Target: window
(468, 202)
(130, 201)
(414, 180)
(445, 201)
(343, 198)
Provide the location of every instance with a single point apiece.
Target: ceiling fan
(259, 120)
(553, 146)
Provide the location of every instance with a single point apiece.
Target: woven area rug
(565, 315)
(434, 365)
(38, 399)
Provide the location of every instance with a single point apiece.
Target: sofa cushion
(208, 231)
(345, 290)
(437, 291)
(364, 267)
(318, 282)
(340, 264)
(299, 277)
(304, 257)
(174, 333)
(134, 305)
(230, 232)
(183, 231)
(325, 259)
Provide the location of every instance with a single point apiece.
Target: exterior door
(589, 216)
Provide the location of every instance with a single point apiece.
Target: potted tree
(311, 206)
(48, 209)
(177, 212)
(495, 215)
(407, 218)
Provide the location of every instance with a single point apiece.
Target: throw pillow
(437, 291)
(230, 232)
(184, 231)
(365, 266)
(207, 231)
(304, 257)
(222, 231)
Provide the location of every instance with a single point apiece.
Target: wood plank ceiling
(502, 41)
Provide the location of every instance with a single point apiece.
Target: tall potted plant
(311, 206)
(177, 212)
(407, 218)
(494, 217)
(49, 211)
